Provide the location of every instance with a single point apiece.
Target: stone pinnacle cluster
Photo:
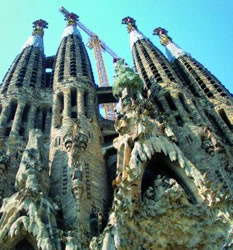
(158, 177)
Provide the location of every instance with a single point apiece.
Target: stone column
(4, 116)
(80, 102)
(164, 104)
(3, 119)
(56, 113)
(181, 110)
(90, 105)
(30, 121)
(17, 119)
(193, 111)
(67, 104)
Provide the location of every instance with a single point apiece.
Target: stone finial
(131, 23)
(172, 49)
(134, 33)
(39, 26)
(71, 19)
(36, 39)
(162, 33)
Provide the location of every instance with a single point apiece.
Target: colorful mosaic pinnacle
(72, 19)
(39, 26)
(162, 33)
(130, 22)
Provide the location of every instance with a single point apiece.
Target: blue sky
(204, 28)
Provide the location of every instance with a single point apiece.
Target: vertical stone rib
(90, 105)
(80, 103)
(17, 119)
(60, 61)
(55, 112)
(31, 119)
(4, 116)
(78, 55)
(67, 103)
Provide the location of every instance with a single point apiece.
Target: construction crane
(98, 45)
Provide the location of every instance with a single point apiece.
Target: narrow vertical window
(24, 119)
(184, 104)
(225, 118)
(170, 101)
(74, 103)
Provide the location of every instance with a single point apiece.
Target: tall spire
(71, 27)
(36, 39)
(134, 33)
(172, 49)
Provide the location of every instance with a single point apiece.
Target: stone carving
(77, 182)
(141, 141)
(4, 161)
(30, 211)
(209, 142)
(76, 139)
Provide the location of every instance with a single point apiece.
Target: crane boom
(98, 45)
(102, 44)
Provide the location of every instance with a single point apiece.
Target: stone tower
(159, 177)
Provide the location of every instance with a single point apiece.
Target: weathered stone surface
(161, 178)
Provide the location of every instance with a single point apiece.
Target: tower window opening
(179, 120)
(48, 79)
(60, 97)
(225, 118)
(44, 115)
(25, 113)
(24, 119)
(13, 107)
(184, 104)
(62, 61)
(73, 97)
(170, 101)
(21, 131)
(215, 124)
(74, 103)
(72, 61)
(7, 131)
(37, 121)
(159, 105)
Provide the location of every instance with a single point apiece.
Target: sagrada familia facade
(158, 177)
